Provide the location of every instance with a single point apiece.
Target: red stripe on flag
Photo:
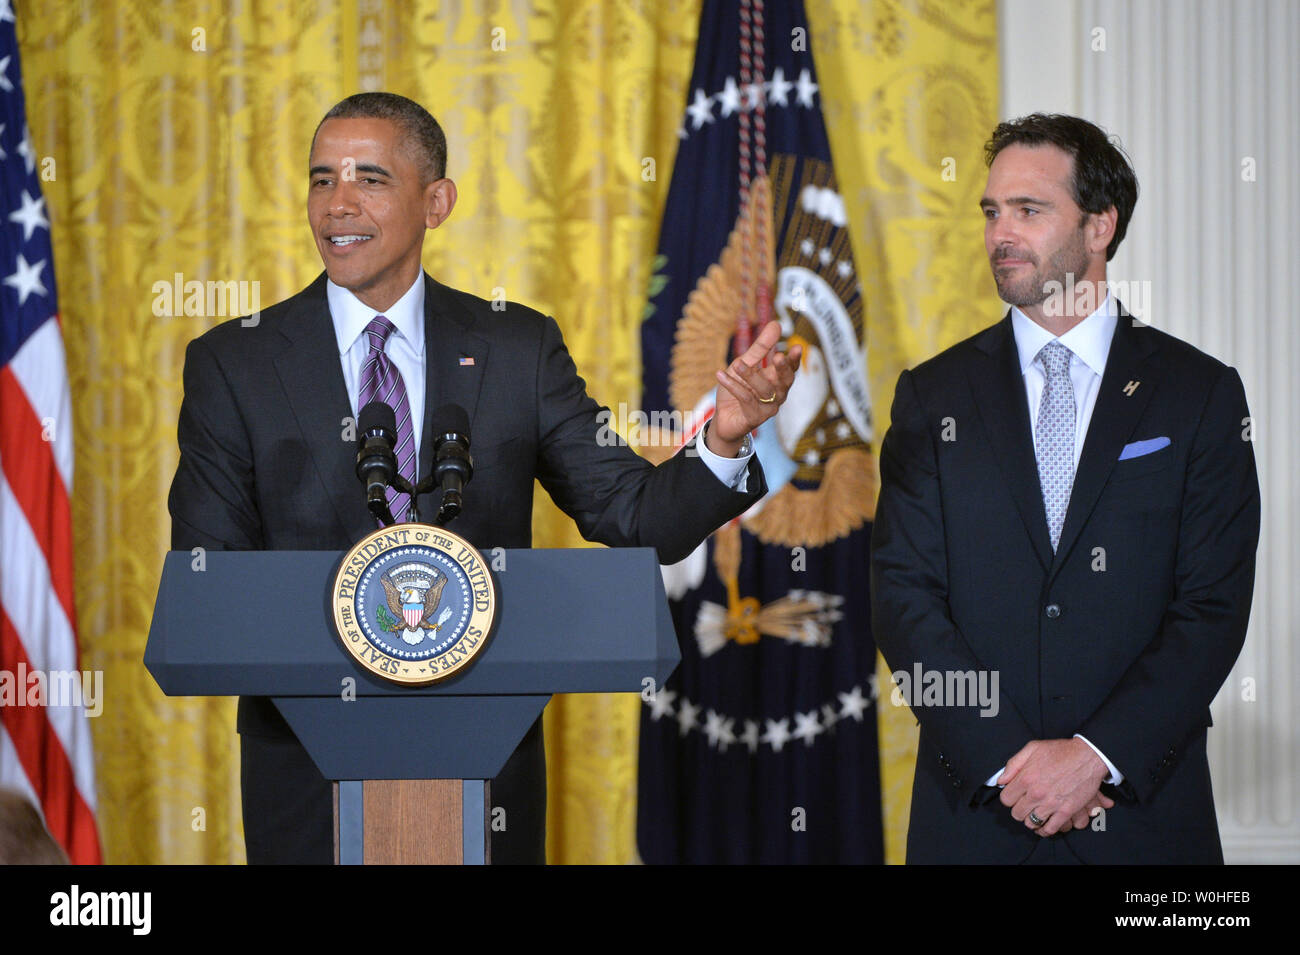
(28, 461)
(48, 768)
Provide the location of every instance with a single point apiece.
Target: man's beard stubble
(1069, 259)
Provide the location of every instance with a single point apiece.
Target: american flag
(45, 750)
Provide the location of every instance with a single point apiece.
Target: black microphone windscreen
(451, 419)
(377, 415)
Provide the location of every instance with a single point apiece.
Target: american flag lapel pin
(465, 361)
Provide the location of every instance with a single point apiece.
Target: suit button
(1053, 611)
(956, 784)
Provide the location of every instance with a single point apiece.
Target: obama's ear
(439, 200)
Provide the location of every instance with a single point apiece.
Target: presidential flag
(45, 749)
(762, 746)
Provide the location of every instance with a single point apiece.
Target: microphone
(452, 464)
(376, 463)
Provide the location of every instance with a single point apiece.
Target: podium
(410, 764)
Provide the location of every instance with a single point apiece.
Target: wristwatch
(746, 446)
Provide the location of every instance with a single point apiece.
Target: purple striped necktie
(381, 381)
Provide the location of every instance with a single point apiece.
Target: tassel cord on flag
(755, 292)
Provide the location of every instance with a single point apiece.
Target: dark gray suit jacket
(264, 464)
(1123, 635)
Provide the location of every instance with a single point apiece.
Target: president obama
(263, 465)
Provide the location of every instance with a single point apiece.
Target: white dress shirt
(405, 348)
(1089, 343)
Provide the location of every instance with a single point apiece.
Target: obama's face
(369, 208)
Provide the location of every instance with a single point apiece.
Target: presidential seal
(413, 603)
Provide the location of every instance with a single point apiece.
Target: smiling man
(267, 459)
(1068, 500)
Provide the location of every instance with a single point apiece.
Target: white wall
(1194, 88)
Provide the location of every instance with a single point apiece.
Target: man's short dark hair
(1103, 176)
(423, 134)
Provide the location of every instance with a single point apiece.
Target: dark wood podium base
(410, 822)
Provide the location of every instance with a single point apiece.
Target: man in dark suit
(268, 453)
(1068, 511)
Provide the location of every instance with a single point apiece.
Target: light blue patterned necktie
(1054, 436)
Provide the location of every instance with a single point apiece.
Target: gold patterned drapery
(179, 135)
(909, 93)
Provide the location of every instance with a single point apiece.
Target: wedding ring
(768, 401)
(1033, 817)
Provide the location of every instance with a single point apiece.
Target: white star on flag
(829, 716)
(30, 216)
(687, 716)
(750, 736)
(729, 98)
(27, 279)
(806, 727)
(777, 733)
(719, 730)
(853, 704)
(700, 110)
(778, 88)
(5, 83)
(661, 704)
(805, 88)
(25, 149)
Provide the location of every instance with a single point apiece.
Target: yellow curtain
(910, 93)
(179, 133)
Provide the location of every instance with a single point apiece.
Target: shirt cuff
(733, 472)
(1115, 777)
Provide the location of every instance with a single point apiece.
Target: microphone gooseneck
(377, 463)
